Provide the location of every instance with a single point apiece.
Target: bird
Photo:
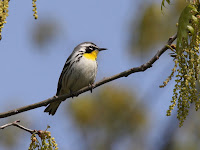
(79, 71)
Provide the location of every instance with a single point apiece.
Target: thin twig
(105, 80)
(16, 124)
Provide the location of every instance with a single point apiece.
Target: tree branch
(106, 80)
(16, 124)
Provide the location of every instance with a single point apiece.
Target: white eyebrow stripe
(89, 44)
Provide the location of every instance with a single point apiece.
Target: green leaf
(163, 3)
(183, 26)
(191, 29)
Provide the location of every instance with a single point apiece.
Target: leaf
(183, 26)
(163, 3)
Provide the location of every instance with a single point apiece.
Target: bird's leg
(91, 87)
(71, 93)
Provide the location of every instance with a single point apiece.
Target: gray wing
(65, 68)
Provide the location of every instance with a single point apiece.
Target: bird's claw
(91, 87)
(73, 94)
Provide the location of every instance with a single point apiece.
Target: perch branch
(105, 80)
(16, 124)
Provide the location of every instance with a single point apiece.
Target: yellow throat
(92, 55)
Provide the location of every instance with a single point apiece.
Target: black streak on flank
(78, 59)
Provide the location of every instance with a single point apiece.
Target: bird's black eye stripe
(89, 49)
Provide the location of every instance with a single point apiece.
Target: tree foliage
(186, 59)
(47, 142)
(4, 4)
(163, 3)
(3, 13)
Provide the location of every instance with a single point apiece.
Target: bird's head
(90, 50)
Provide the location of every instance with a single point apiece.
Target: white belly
(82, 75)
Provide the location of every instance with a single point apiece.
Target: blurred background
(126, 114)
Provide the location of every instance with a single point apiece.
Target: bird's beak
(102, 49)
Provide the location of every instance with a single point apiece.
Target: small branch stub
(47, 141)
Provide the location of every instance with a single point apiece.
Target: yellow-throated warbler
(79, 71)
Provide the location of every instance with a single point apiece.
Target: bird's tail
(52, 108)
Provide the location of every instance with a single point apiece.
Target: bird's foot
(91, 87)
